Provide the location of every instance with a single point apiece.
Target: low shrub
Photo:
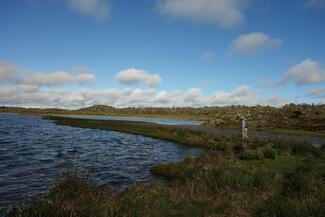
(299, 181)
(256, 154)
(302, 148)
(269, 152)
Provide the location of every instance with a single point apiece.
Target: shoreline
(224, 180)
(197, 134)
(275, 131)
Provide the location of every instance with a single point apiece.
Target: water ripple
(33, 152)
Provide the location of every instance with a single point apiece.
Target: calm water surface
(34, 151)
(168, 121)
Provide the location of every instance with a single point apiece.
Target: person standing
(244, 128)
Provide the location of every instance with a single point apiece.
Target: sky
(161, 53)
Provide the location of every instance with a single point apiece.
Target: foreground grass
(272, 178)
(214, 184)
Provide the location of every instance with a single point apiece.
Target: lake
(34, 151)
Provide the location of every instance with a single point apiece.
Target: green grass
(291, 132)
(282, 164)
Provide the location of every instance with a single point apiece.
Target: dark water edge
(33, 153)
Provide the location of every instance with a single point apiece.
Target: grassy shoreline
(280, 131)
(171, 116)
(178, 134)
(267, 178)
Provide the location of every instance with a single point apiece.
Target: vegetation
(214, 184)
(308, 119)
(284, 178)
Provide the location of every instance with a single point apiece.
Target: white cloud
(59, 77)
(35, 89)
(242, 95)
(316, 92)
(253, 42)
(9, 73)
(96, 8)
(137, 76)
(194, 97)
(320, 4)
(224, 13)
(306, 72)
(275, 101)
(23, 95)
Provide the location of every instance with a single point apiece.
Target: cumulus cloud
(11, 74)
(320, 4)
(8, 72)
(276, 101)
(224, 13)
(22, 95)
(194, 97)
(316, 92)
(137, 76)
(306, 72)
(19, 87)
(242, 95)
(96, 8)
(59, 77)
(253, 42)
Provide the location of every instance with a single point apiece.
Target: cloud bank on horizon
(243, 45)
(27, 89)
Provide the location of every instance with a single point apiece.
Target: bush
(256, 154)
(189, 159)
(269, 152)
(302, 148)
(299, 181)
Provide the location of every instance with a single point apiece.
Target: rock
(219, 122)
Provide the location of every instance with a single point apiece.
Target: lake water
(168, 121)
(34, 151)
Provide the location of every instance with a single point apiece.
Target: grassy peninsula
(266, 178)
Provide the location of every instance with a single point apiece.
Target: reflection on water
(34, 151)
(167, 121)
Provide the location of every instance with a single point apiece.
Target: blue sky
(74, 53)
